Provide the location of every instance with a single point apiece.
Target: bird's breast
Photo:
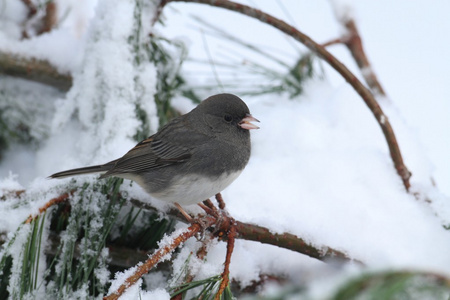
(195, 188)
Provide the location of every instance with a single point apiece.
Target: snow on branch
(35, 70)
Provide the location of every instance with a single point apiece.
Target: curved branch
(365, 94)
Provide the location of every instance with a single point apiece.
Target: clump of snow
(102, 273)
(343, 9)
(25, 203)
(199, 268)
(12, 14)
(9, 184)
(157, 294)
(155, 280)
(135, 291)
(167, 240)
(121, 277)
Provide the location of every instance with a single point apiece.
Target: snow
(354, 183)
(135, 291)
(320, 166)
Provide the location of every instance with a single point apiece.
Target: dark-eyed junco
(191, 158)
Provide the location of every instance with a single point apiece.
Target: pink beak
(245, 123)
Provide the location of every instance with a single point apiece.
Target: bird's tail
(81, 171)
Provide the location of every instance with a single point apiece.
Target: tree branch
(251, 232)
(365, 94)
(35, 70)
(231, 235)
(245, 231)
(354, 44)
(50, 17)
(289, 241)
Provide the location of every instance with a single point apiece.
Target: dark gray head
(225, 113)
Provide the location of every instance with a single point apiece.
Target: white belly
(195, 189)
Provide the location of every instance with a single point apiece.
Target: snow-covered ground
(320, 166)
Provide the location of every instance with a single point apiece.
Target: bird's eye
(227, 118)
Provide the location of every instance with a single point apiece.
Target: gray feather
(81, 171)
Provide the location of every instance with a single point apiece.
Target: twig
(208, 203)
(184, 213)
(50, 17)
(158, 255)
(32, 10)
(354, 44)
(226, 270)
(62, 198)
(365, 94)
(208, 209)
(219, 199)
(333, 42)
(46, 23)
(35, 70)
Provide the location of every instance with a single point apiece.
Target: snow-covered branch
(34, 70)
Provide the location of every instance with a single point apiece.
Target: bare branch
(231, 235)
(50, 17)
(354, 44)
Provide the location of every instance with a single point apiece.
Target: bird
(190, 159)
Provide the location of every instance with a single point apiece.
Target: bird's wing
(148, 154)
(173, 144)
